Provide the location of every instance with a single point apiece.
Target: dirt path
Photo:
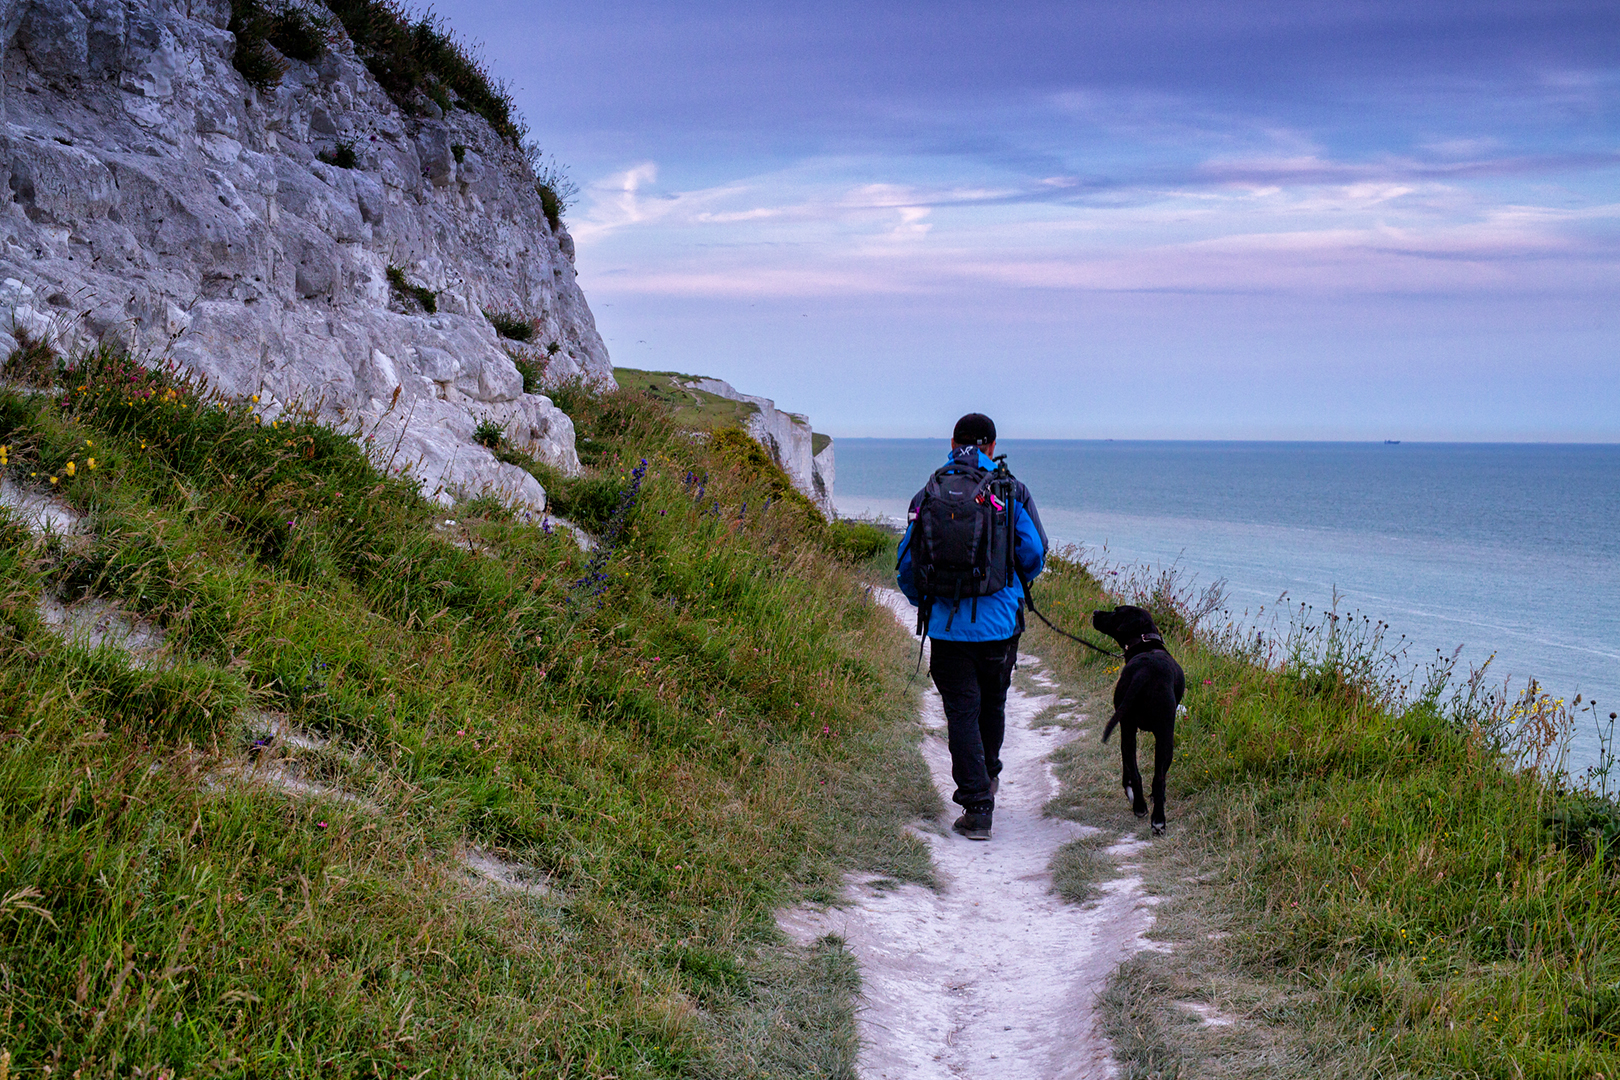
(994, 976)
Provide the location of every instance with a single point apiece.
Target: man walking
(973, 538)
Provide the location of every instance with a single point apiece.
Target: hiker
(973, 538)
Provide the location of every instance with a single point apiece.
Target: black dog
(1145, 699)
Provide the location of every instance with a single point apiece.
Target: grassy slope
(697, 409)
(707, 721)
(1366, 885)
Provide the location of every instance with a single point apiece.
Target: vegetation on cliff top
(1370, 870)
(412, 59)
(249, 852)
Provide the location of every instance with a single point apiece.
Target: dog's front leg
(1164, 749)
(1131, 776)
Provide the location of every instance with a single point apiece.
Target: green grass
(1426, 907)
(409, 293)
(706, 722)
(509, 324)
(698, 409)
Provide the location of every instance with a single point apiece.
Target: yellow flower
(90, 463)
(71, 469)
(87, 442)
(53, 480)
(255, 398)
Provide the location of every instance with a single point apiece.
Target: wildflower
(90, 463)
(255, 399)
(53, 481)
(87, 442)
(320, 824)
(71, 469)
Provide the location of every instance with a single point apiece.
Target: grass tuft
(409, 293)
(343, 156)
(513, 325)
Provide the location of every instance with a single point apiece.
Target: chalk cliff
(786, 435)
(152, 195)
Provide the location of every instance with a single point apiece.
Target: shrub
(742, 452)
(509, 324)
(258, 63)
(857, 541)
(409, 293)
(531, 368)
(298, 34)
(264, 35)
(343, 157)
(551, 204)
(423, 59)
(459, 152)
(489, 433)
(556, 188)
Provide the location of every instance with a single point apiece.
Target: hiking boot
(974, 824)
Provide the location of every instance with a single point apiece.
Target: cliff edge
(307, 240)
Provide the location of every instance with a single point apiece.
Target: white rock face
(789, 439)
(148, 193)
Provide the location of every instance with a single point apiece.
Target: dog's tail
(1113, 722)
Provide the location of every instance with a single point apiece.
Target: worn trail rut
(994, 975)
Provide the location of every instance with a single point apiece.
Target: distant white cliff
(806, 456)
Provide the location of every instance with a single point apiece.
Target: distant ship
(1392, 442)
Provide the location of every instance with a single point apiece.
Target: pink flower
(320, 824)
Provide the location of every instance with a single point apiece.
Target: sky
(1253, 219)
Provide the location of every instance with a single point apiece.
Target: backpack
(962, 537)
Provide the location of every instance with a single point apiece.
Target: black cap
(974, 429)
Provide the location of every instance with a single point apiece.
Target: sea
(1510, 552)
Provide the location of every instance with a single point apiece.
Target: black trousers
(972, 677)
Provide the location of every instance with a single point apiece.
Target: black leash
(1030, 600)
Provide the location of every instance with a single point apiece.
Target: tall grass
(1400, 844)
(725, 731)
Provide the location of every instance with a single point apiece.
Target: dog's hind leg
(1164, 749)
(1130, 775)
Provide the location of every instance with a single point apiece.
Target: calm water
(1508, 549)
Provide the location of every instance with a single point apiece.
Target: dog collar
(1145, 639)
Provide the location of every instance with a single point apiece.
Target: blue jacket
(1000, 615)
